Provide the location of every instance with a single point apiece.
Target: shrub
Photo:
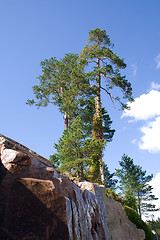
(111, 194)
(136, 219)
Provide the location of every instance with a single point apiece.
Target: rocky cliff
(39, 203)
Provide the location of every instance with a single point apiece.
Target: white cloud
(155, 183)
(146, 107)
(157, 60)
(155, 86)
(151, 136)
(134, 69)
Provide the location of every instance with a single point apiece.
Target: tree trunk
(139, 204)
(99, 134)
(66, 117)
(102, 171)
(66, 121)
(81, 172)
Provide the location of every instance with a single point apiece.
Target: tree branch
(110, 95)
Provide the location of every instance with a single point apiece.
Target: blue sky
(31, 31)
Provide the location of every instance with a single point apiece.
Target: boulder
(37, 202)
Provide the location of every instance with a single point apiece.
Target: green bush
(111, 194)
(135, 218)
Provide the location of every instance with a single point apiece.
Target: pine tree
(134, 186)
(104, 65)
(63, 83)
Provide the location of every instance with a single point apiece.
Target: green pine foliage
(154, 225)
(102, 68)
(104, 65)
(110, 181)
(75, 151)
(134, 186)
(136, 219)
(63, 84)
(74, 83)
(108, 133)
(111, 194)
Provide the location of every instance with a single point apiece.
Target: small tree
(134, 186)
(75, 152)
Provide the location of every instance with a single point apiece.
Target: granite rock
(37, 202)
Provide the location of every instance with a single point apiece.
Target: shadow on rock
(30, 209)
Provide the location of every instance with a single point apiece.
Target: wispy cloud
(157, 60)
(134, 69)
(155, 86)
(146, 107)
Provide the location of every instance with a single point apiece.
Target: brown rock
(39, 203)
(36, 202)
(32, 209)
(120, 227)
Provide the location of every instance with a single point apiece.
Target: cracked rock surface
(37, 202)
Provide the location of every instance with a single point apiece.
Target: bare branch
(110, 95)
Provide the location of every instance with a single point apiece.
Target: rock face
(120, 227)
(39, 203)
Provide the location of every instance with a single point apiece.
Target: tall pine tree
(103, 66)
